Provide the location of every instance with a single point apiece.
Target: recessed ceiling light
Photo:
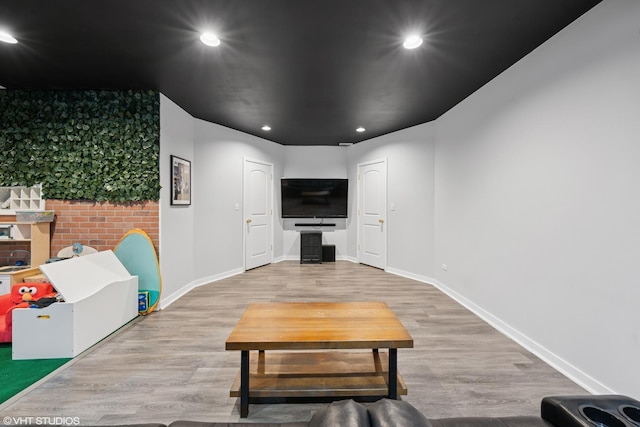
(360, 129)
(412, 42)
(266, 127)
(210, 39)
(7, 38)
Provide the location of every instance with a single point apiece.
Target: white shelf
(21, 199)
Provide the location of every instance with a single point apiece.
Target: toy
(23, 295)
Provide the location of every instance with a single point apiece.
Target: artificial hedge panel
(82, 145)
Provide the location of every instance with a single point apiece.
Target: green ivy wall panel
(82, 145)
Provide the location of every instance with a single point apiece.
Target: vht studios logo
(40, 421)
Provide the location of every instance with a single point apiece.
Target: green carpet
(16, 375)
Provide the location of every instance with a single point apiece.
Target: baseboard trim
(576, 375)
(166, 301)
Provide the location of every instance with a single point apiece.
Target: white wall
(314, 162)
(410, 188)
(176, 222)
(218, 219)
(203, 242)
(537, 200)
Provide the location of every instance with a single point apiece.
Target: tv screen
(314, 198)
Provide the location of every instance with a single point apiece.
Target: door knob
(248, 220)
(381, 220)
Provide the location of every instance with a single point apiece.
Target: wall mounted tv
(314, 197)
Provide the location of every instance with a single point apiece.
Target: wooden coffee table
(318, 372)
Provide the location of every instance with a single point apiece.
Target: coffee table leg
(393, 373)
(244, 384)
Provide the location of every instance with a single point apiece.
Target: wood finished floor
(172, 364)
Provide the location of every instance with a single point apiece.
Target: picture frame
(180, 181)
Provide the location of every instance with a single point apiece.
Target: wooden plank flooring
(173, 365)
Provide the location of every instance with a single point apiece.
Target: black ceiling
(314, 70)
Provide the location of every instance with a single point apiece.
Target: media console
(310, 247)
(320, 224)
(312, 251)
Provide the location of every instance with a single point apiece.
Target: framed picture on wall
(180, 181)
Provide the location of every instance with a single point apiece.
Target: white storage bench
(100, 296)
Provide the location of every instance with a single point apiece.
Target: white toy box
(100, 296)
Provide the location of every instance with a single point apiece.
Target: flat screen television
(314, 197)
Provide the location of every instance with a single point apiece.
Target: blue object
(77, 248)
(143, 301)
(136, 252)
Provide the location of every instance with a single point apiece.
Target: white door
(258, 213)
(372, 213)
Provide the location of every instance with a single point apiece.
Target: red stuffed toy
(22, 296)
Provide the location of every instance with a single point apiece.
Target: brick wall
(100, 225)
